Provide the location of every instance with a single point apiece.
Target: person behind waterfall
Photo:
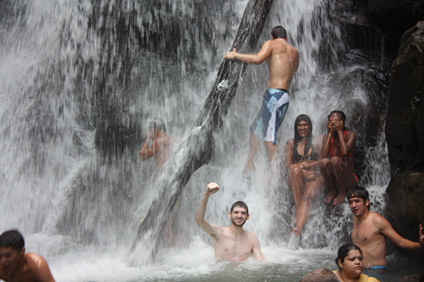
(350, 262)
(370, 231)
(303, 162)
(337, 167)
(230, 243)
(157, 144)
(16, 265)
(283, 62)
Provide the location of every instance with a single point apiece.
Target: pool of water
(72, 263)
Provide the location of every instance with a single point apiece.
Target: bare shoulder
(35, 258)
(252, 236)
(378, 220)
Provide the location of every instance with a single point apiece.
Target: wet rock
(405, 116)
(405, 135)
(405, 205)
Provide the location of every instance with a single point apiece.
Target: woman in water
(349, 261)
(303, 160)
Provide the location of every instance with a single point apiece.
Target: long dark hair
(298, 138)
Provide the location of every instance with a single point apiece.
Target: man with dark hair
(230, 243)
(283, 62)
(320, 275)
(16, 265)
(370, 231)
(157, 144)
(337, 152)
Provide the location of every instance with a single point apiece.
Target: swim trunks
(377, 267)
(273, 110)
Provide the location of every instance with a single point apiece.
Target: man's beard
(236, 224)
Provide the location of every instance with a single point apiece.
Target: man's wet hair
(321, 275)
(157, 125)
(12, 238)
(344, 251)
(240, 204)
(279, 32)
(358, 192)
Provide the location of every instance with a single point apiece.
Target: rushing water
(80, 79)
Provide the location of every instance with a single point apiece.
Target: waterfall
(81, 79)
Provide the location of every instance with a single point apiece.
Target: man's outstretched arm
(250, 58)
(388, 231)
(200, 213)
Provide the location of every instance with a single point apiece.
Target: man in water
(16, 265)
(337, 168)
(370, 231)
(230, 243)
(157, 144)
(283, 62)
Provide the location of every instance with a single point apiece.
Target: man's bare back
(230, 243)
(282, 64)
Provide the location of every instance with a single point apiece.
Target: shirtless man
(16, 265)
(283, 62)
(157, 144)
(230, 243)
(337, 168)
(370, 231)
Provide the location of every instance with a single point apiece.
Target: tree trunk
(196, 149)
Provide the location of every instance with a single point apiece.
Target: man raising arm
(230, 243)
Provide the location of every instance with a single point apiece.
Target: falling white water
(73, 73)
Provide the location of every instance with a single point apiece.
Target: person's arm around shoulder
(209, 228)
(257, 253)
(40, 268)
(387, 230)
(257, 59)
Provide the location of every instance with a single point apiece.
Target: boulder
(405, 135)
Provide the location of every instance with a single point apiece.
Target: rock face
(405, 134)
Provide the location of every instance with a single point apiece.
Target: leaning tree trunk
(196, 149)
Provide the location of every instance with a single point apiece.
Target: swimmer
(16, 265)
(370, 231)
(303, 160)
(158, 144)
(337, 167)
(350, 262)
(230, 243)
(283, 62)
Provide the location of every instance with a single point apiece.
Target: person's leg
(329, 181)
(311, 190)
(339, 171)
(253, 150)
(295, 180)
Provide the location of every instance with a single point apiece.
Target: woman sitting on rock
(303, 161)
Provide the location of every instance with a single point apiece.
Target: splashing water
(80, 79)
